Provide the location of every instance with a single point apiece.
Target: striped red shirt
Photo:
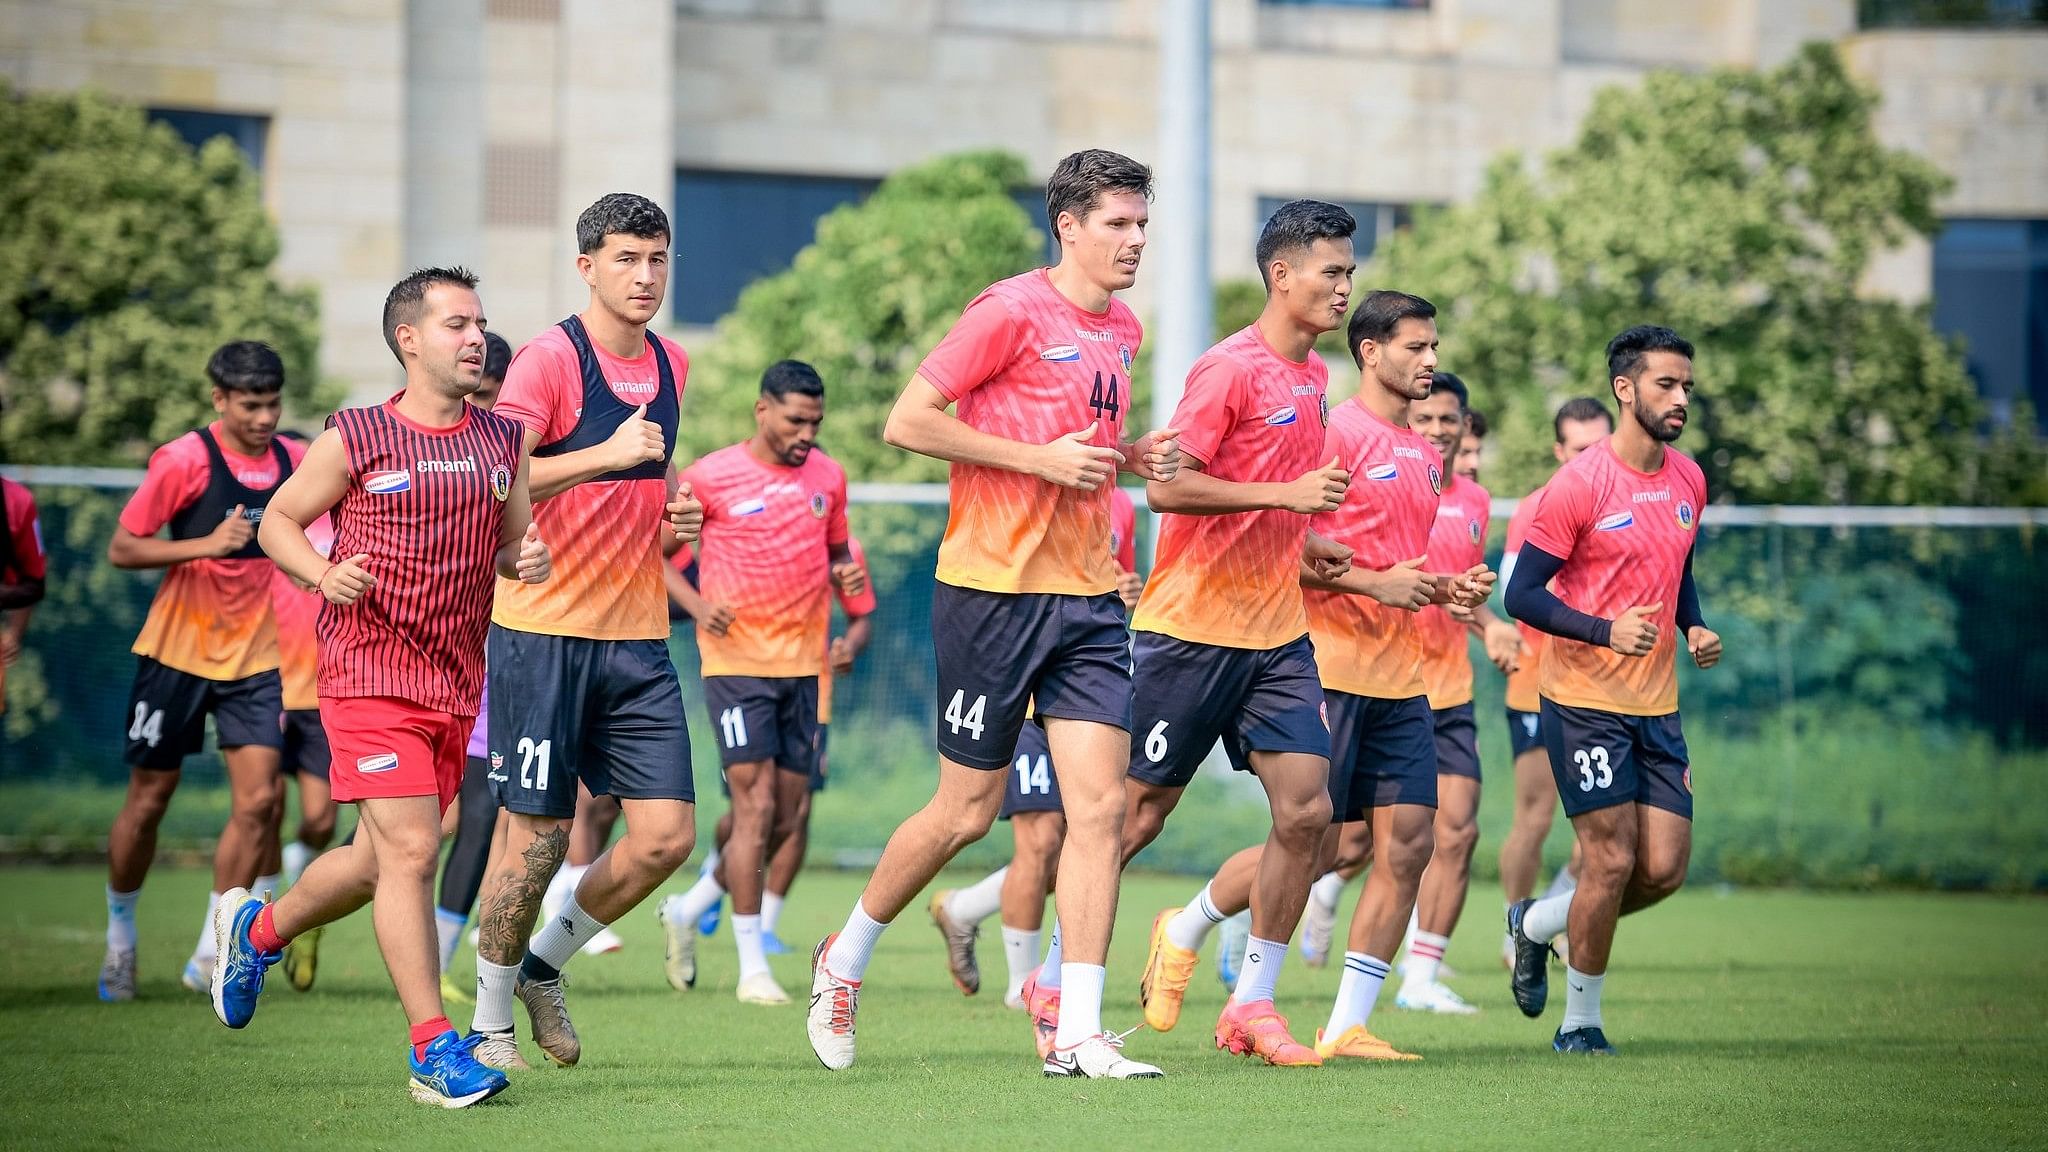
(427, 506)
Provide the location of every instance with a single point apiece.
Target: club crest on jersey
(1685, 515)
(1475, 531)
(1060, 353)
(752, 507)
(1614, 522)
(1436, 480)
(818, 505)
(377, 762)
(1382, 472)
(1282, 416)
(385, 483)
(501, 482)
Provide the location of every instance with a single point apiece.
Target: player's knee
(1607, 862)
(317, 831)
(1303, 820)
(665, 849)
(1454, 842)
(1660, 876)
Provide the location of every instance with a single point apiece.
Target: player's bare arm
(522, 554)
(847, 648)
(1155, 456)
(920, 423)
(310, 492)
(1502, 640)
(1405, 586)
(127, 550)
(1196, 493)
(636, 441)
(847, 573)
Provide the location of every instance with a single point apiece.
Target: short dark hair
(1294, 227)
(786, 378)
(1449, 382)
(408, 297)
(1079, 182)
(1382, 311)
(1626, 352)
(620, 214)
(1475, 424)
(497, 356)
(246, 366)
(1579, 410)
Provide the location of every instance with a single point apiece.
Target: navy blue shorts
(1187, 696)
(1457, 741)
(999, 650)
(305, 743)
(564, 708)
(1385, 754)
(1033, 786)
(1525, 731)
(167, 711)
(764, 718)
(1601, 759)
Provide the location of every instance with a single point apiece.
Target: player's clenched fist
(345, 581)
(233, 533)
(851, 578)
(1156, 455)
(717, 620)
(1319, 491)
(1470, 588)
(534, 564)
(686, 514)
(1704, 644)
(1326, 559)
(635, 441)
(1504, 646)
(1406, 586)
(1634, 633)
(1072, 462)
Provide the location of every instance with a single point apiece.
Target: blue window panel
(734, 227)
(1991, 289)
(249, 133)
(1376, 221)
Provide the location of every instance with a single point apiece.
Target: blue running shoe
(238, 974)
(773, 945)
(1586, 1041)
(1230, 950)
(707, 924)
(448, 1075)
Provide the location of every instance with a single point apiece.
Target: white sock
(1581, 999)
(1545, 919)
(206, 949)
(267, 887)
(710, 864)
(1080, 1003)
(297, 855)
(1049, 968)
(746, 936)
(567, 929)
(1261, 970)
(1561, 883)
(699, 899)
(561, 888)
(979, 900)
(1020, 948)
(1414, 926)
(493, 996)
(771, 912)
(448, 926)
(121, 920)
(1356, 995)
(1192, 924)
(1327, 889)
(1425, 957)
(849, 955)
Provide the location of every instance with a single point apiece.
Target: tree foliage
(1740, 208)
(126, 258)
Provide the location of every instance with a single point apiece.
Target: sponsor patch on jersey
(377, 762)
(818, 505)
(1614, 522)
(385, 483)
(1382, 472)
(748, 508)
(1685, 515)
(1123, 353)
(1060, 353)
(1282, 416)
(501, 482)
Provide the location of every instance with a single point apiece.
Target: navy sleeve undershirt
(1689, 600)
(1530, 600)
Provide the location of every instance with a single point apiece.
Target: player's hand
(231, 534)
(1326, 559)
(840, 656)
(1472, 587)
(1128, 586)
(534, 564)
(717, 620)
(345, 582)
(851, 578)
(1504, 646)
(686, 514)
(1319, 491)
(1634, 633)
(1459, 612)
(1072, 462)
(1406, 586)
(636, 441)
(1704, 644)
(1156, 455)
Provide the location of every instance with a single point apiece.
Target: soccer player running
(582, 688)
(209, 645)
(1577, 425)
(774, 543)
(1026, 606)
(429, 499)
(1222, 647)
(22, 572)
(1616, 531)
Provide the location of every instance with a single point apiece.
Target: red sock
(263, 932)
(427, 1033)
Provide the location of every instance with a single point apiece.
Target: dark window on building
(1991, 289)
(1949, 13)
(1376, 221)
(249, 133)
(1346, 3)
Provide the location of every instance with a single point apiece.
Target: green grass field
(1746, 1019)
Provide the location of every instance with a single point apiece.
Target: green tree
(1740, 208)
(126, 258)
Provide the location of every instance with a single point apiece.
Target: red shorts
(384, 747)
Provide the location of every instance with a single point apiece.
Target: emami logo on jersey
(1282, 416)
(1685, 515)
(1382, 472)
(377, 762)
(385, 483)
(748, 508)
(1614, 522)
(1061, 353)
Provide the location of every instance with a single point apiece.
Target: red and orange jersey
(1457, 541)
(1251, 416)
(603, 535)
(1624, 537)
(1026, 364)
(1521, 691)
(21, 554)
(1362, 646)
(853, 606)
(766, 554)
(211, 618)
(1123, 529)
(298, 611)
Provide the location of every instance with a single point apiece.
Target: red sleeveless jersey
(426, 505)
